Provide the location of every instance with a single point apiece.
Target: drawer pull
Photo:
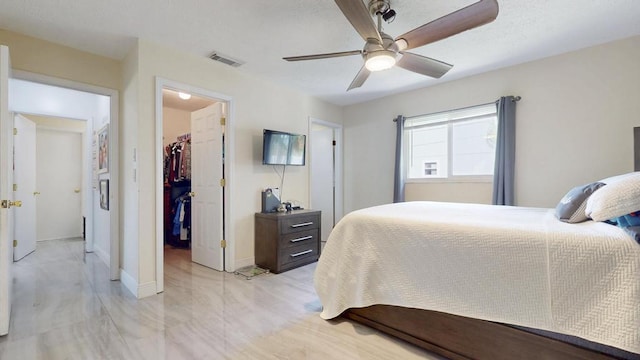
(301, 239)
(302, 224)
(301, 253)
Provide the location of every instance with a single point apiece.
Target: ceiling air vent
(225, 59)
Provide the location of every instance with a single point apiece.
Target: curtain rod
(515, 98)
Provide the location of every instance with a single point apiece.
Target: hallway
(64, 308)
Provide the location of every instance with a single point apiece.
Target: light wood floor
(64, 308)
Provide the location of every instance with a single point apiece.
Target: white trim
(129, 282)
(452, 180)
(339, 185)
(102, 255)
(114, 208)
(146, 289)
(241, 263)
(53, 128)
(230, 262)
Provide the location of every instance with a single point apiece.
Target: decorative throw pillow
(572, 207)
(620, 196)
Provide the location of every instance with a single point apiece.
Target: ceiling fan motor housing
(379, 6)
(373, 45)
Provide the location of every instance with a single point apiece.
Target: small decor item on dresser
(270, 201)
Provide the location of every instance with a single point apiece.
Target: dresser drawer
(301, 253)
(299, 238)
(285, 241)
(299, 223)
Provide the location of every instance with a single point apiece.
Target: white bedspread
(506, 264)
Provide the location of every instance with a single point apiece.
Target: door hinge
(15, 187)
(222, 182)
(15, 131)
(15, 243)
(223, 243)
(223, 121)
(334, 143)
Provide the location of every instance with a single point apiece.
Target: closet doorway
(193, 176)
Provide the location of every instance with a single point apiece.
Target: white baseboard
(129, 282)
(147, 289)
(102, 255)
(243, 263)
(139, 291)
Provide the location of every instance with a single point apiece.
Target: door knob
(192, 194)
(36, 193)
(76, 190)
(6, 204)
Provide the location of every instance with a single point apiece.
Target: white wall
(53, 101)
(258, 104)
(574, 125)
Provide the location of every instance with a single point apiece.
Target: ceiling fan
(382, 52)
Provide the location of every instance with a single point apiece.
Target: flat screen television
(282, 148)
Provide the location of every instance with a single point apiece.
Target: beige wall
(463, 192)
(257, 103)
(129, 197)
(574, 125)
(175, 122)
(43, 57)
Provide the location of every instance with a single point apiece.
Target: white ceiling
(261, 32)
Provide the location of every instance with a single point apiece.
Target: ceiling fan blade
(423, 65)
(474, 15)
(358, 15)
(362, 76)
(323, 56)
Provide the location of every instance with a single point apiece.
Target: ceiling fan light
(379, 61)
(184, 96)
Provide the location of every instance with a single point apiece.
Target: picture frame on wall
(104, 194)
(103, 150)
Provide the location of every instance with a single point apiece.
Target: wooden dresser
(285, 241)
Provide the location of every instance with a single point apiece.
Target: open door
(207, 187)
(25, 186)
(325, 172)
(6, 192)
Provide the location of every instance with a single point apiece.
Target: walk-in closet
(193, 142)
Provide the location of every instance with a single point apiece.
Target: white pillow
(621, 196)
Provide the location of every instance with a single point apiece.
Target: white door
(206, 176)
(322, 175)
(6, 191)
(59, 181)
(25, 179)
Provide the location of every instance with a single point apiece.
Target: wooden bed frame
(457, 337)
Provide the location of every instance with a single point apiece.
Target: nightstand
(285, 241)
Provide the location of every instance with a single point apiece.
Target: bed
(471, 281)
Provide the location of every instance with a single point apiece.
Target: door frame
(338, 205)
(114, 207)
(229, 254)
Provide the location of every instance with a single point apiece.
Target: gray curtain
(399, 176)
(503, 175)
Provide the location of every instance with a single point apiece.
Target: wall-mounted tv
(282, 148)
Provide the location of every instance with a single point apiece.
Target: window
(451, 144)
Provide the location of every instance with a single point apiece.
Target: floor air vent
(225, 59)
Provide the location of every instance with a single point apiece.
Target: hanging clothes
(177, 161)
